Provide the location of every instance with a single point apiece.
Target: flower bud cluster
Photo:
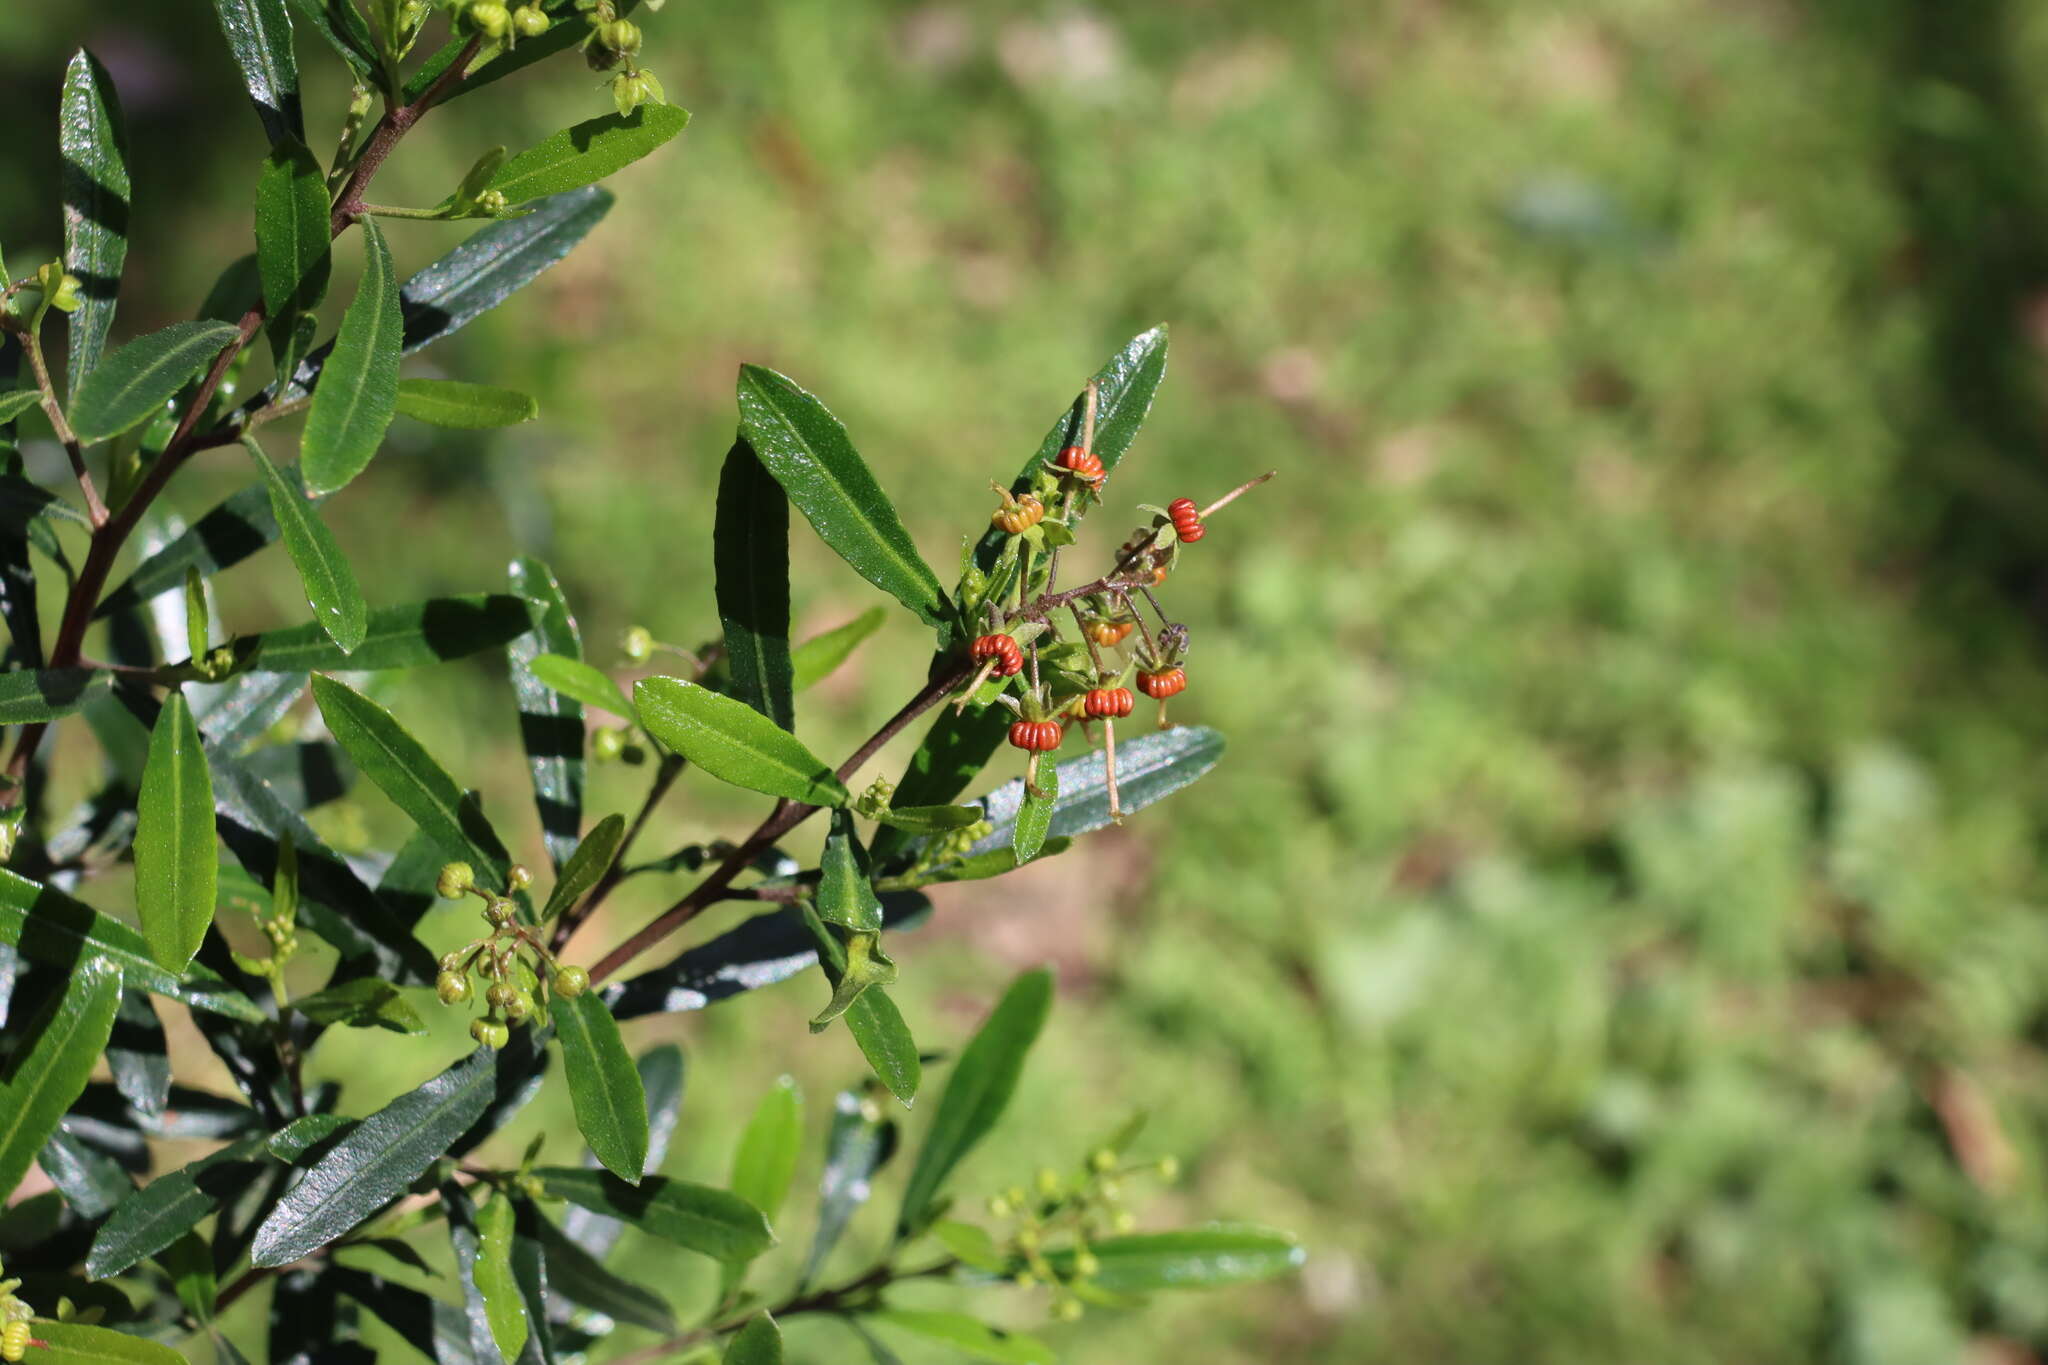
(1076, 1211)
(517, 971)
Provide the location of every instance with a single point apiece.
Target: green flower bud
(607, 745)
(1027, 1239)
(491, 1035)
(598, 57)
(487, 18)
(1086, 1264)
(491, 201)
(629, 92)
(499, 913)
(452, 987)
(519, 1006)
(65, 298)
(1169, 1168)
(530, 21)
(620, 35)
(637, 644)
(1067, 1310)
(999, 1207)
(1102, 1160)
(517, 877)
(571, 982)
(1048, 1181)
(455, 880)
(499, 996)
(1125, 1221)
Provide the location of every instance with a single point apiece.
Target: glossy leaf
(128, 386)
(661, 1078)
(363, 1003)
(330, 584)
(859, 1143)
(1189, 1258)
(816, 658)
(293, 259)
(72, 1343)
(227, 534)
(581, 1278)
(376, 1161)
(588, 152)
(176, 854)
(582, 682)
(929, 819)
(430, 632)
(189, 1264)
(30, 695)
(733, 742)
(169, 1206)
(492, 1274)
(93, 142)
(550, 725)
(404, 771)
(765, 1163)
(979, 1090)
(884, 1039)
(969, 1336)
(750, 552)
(52, 1065)
(358, 391)
(50, 927)
(587, 865)
(611, 1110)
(695, 1217)
(466, 407)
(807, 450)
(1034, 816)
(1148, 769)
(757, 1343)
(338, 22)
(845, 895)
(259, 34)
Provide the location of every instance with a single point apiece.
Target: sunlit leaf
(358, 391)
(331, 589)
(128, 386)
(550, 726)
(733, 742)
(176, 855)
(970, 1336)
(816, 658)
(93, 143)
(696, 1217)
(611, 1111)
(60, 1048)
(259, 34)
(469, 407)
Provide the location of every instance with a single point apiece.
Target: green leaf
(198, 615)
(51, 1068)
(331, 591)
(996, 862)
(259, 33)
(1191, 1258)
(430, 632)
(408, 774)
(365, 1002)
(980, 1088)
(611, 1108)
(293, 256)
(1125, 387)
(661, 1076)
(33, 695)
(588, 152)
(376, 1161)
(757, 1343)
(968, 1336)
(550, 726)
(358, 390)
(1034, 817)
(176, 855)
(499, 260)
(590, 685)
(845, 895)
(580, 1278)
(750, 552)
(858, 970)
(138, 1054)
(765, 1162)
(587, 865)
(13, 405)
(467, 407)
(338, 22)
(733, 742)
(929, 819)
(859, 1143)
(156, 1215)
(130, 385)
(226, 535)
(93, 143)
(492, 1274)
(971, 1244)
(807, 450)
(696, 1217)
(816, 658)
(50, 927)
(189, 1263)
(1148, 769)
(71, 1343)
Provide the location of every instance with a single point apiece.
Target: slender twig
(32, 347)
(837, 1300)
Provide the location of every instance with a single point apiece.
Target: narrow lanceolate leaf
(765, 1163)
(1034, 816)
(338, 22)
(1125, 387)
(550, 724)
(57, 1056)
(176, 858)
(587, 153)
(661, 1076)
(404, 771)
(816, 658)
(259, 34)
(611, 1109)
(807, 450)
(14, 404)
(929, 819)
(409, 636)
(750, 551)
(733, 742)
(1148, 769)
(48, 926)
(1190, 1258)
(695, 1217)
(581, 1278)
(884, 1039)
(582, 682)
(358, 392)
(859, 1143)
(469, 407)
(587, 865)
(292, 241)
(365, 1002)
(71, 1343)
(127, 387)
(30, 695)
(331, 590)
(156, 1215)
(845, 895)
(492, 1274)
(757, 1343)
(969, 1336)
(376, 1161)
(982, 1082)
(223, 537)
(94, 145)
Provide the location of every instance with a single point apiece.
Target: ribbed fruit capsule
(1107, 633)
(1107, 703)
(1187, 520)
(1018, 516)
(1165, 683)
(14, 1340)
(1004, 650)
(1086, 463)
(1037, 736)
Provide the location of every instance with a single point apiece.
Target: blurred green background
(1616, 929)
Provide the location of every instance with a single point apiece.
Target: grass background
(1615, 931)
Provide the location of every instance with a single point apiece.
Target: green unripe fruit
(487, 18)
(620, 35)
(999, 1207)
(607, 745)
(452, 987)
(1103, 1159)
(499, 913)
(491, 1035)
(1067, 1310)
(530, 21)
(571, 982)
(519, 1006)
(499, 996)
(1048, 1181)
(637, 644)
(517, 878)
(1086, 1265)
(455, 881)
(1169, 1167)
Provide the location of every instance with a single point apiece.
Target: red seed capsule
(1187, 521)
(1037, 736)
(1018, 516)
(1107, 703)
(1163, 684)
(1107, 633)
(1085, 463)
(1010, 659)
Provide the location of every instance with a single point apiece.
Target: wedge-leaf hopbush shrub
(109, 1261)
